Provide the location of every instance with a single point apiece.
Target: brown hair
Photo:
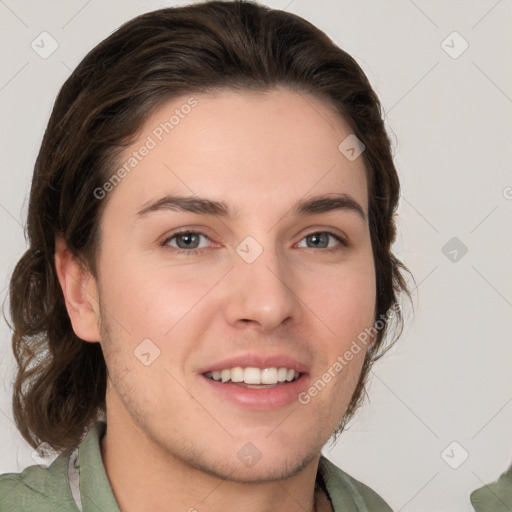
(60, 385)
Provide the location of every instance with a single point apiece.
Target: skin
(259, 153)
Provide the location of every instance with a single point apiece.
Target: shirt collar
(95, 490)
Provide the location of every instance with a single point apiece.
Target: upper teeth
(254, 375)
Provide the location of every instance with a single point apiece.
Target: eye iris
(187, 241)
(319, 240)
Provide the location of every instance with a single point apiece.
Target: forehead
(250, 149)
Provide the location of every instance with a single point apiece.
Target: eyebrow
(194, 204)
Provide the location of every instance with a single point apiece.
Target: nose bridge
(261, 288)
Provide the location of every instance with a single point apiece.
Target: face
(235, 241)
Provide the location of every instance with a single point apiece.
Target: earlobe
(80, 293)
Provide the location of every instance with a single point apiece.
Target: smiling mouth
(255, 378)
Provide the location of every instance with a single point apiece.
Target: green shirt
(81, 481)
(496, 497)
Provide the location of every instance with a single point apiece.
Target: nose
(261, 293)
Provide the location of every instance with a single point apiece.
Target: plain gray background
(449, 112)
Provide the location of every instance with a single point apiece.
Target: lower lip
(262, 399)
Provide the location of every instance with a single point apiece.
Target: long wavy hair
(60, 383)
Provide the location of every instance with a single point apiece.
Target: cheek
(344, 299)
(148, 301)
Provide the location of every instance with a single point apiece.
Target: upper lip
(261, 361)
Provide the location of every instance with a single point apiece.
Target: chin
(252, 467)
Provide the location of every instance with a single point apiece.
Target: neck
(145, 479)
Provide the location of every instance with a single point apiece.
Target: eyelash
(192, 252)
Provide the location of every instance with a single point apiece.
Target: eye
(322, 240)
(193, 242)
(187, 242)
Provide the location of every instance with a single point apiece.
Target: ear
(80, 293)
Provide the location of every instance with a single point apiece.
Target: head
(249, 108)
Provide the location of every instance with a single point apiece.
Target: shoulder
(37, 488)
(347, 493)
(495, 497)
